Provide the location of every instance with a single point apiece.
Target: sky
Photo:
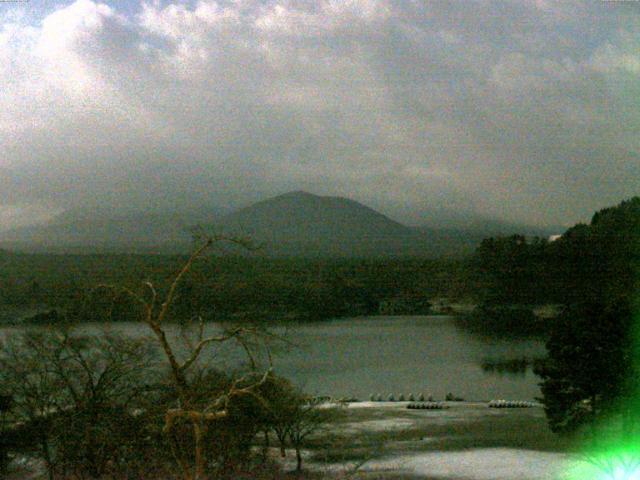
(524, 110)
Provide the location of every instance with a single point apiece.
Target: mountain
(99, 230)
(303, 224)
(304, 214)
(292, 224)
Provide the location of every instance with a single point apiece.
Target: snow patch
(380, 425)
(479, 464)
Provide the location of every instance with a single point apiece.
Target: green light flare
(614, 454)
(620, 464)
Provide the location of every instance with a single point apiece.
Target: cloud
(523, 109)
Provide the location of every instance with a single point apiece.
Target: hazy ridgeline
(295, 225)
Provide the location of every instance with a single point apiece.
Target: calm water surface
(402, 355)
(383, 355)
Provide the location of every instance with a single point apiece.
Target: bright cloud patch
(526, 109)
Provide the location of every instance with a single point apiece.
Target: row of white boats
(427, 406)
(511, 404)
(401, 398)
(427, 402)
(424, 402)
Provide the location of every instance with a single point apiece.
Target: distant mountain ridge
(292, 224)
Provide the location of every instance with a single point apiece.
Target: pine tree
(590, 370)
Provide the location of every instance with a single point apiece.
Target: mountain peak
(295, 195)
(303, 195)
(298, 193)
(295, 223)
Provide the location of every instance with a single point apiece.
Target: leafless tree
(71, 393)
(32, 386)
(155, 316)
(307, 419)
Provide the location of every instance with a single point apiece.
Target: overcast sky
(523, 110)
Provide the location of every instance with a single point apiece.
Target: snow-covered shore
(466, 441)
(474, 464)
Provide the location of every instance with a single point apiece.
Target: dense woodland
(596, 263)
(592, 272)
(598, 260)
(228, 288)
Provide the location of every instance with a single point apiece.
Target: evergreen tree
(590, 370)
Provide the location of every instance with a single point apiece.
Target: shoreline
(469, 440)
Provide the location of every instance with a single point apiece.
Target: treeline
(598, 260)
(590, 378)
(228, 288)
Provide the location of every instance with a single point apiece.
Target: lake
(392, 355)
(428, 354)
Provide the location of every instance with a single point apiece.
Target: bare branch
(219, 408)
(203, 343)
(152, 304)
(200, 328)
(174, 285)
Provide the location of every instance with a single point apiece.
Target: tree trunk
(265, 451)
(44, 444)
(179, 457)
(282, 438)
(298, 459)
(199, 454)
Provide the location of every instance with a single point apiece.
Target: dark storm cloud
(525, 110)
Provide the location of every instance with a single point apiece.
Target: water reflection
(517, 367)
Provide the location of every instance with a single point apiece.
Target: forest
(227, 288)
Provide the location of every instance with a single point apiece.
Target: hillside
(292, 224)
(122, 233)
(298, 214)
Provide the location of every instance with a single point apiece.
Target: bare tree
(306, 420)
(34, 388)
(155, 315)
(283, 399)
(72, 394)
(293, 416)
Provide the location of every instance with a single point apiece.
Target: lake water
(384, 355)
(405, 355)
